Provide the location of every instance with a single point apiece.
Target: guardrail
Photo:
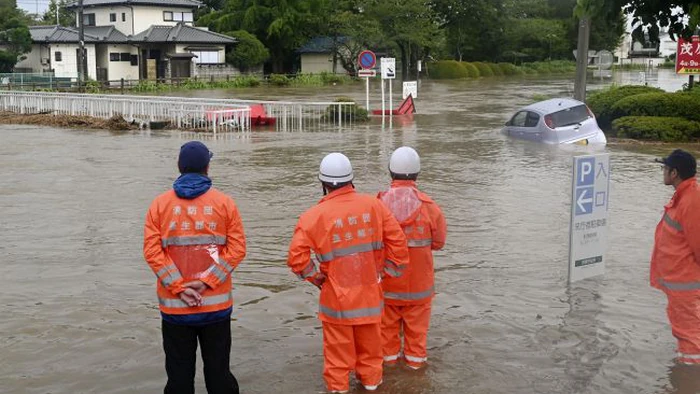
(185, 112)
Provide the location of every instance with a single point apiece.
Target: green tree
(14, 35)
(352, 32)
(412, 26)
(474, 28)
(65, 17)
(651, 15)
(281, 25)
(249, 52)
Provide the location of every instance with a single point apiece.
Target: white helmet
(404, 161)
(335, 169)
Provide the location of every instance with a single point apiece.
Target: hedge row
(646, 113)
(602, 101)
(682, 105)
(452, 69)
(657, 128)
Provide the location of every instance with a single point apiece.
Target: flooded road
(78, 301)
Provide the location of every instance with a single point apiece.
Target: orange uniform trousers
(351, 347)
(411, 320)
(684, 314)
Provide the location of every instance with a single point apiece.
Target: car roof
(553, 105)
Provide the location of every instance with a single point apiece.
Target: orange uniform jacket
(356, 240)
(184, 240)
(424, 225)
(675, 262)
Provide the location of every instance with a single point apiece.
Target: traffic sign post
(388, 69)
(367, 60)
(588, 234)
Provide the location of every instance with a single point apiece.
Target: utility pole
(81, 50)
(58, 22)
(584, 34)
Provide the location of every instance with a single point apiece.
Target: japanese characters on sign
(688, 56)
(589, 216)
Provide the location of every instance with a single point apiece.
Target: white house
(131, 39)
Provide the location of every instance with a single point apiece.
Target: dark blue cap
(681, 161)
(194, 157)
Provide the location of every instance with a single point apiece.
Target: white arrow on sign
(580, 201)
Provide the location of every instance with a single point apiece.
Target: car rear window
(570, 116)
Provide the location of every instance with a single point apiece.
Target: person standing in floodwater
(356, 241)
(675, 262)
(193, 240)
(408, 299)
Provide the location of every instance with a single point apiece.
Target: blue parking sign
(585, 172)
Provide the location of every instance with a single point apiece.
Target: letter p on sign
(586, 175)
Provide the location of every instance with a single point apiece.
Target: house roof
(162, 3)
(320, 45)
(181, 33)
(57, 34)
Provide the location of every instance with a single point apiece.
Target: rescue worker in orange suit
(408, 299)
(193, 240)
(675, 262)
(356, 242)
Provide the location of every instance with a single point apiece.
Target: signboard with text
(410, 87)
(688, 56)
(388, 68)
(590, 194)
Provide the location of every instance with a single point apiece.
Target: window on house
(134, 60)
(123, 16)
(180, 16)
(167, 15)
(125, 57)
(88, 19)
(112, 17)
(206, 57)
(113, 57)
(58, 56)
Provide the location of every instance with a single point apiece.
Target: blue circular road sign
(367, 59)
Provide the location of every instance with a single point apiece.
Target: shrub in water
(509, 69)
(279, 80)
(681, 105)
(484, 69)
(656, 128)
(602, 101)
(353, 113)
(472, 71)
(447, 69)
(495, 69)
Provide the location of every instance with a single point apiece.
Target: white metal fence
(181, 114)
(185, 112)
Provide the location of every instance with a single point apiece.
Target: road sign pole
(367, 93)
(391, 99)
(383, 100)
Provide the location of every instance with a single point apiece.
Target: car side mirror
(508, 123)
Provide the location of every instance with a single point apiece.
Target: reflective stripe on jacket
(424, 225)
(356, 241)
(184, 240)
(675, 261)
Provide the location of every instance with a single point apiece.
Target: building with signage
(131, 39)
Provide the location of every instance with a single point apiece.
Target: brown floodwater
(78, 301)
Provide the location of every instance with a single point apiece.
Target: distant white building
(631, 51)
(131, 39)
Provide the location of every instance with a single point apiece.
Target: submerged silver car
(556, 121)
